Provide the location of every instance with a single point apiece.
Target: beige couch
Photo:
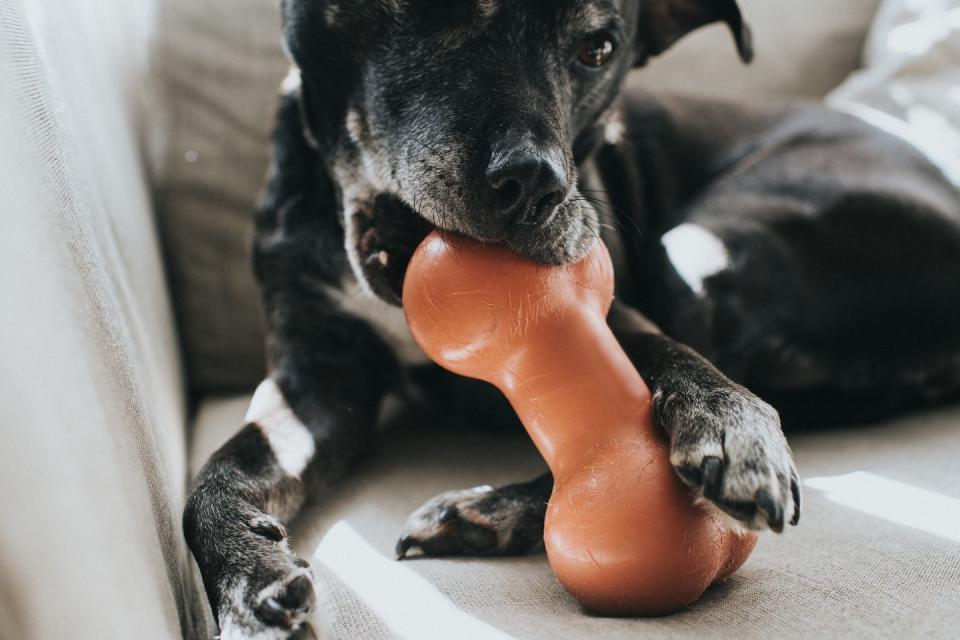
(133, 139)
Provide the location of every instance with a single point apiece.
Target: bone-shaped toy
(622, 534)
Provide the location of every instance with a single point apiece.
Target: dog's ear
(311, 117)
(663, 22)
(325, 69)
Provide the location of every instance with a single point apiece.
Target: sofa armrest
(92, 442)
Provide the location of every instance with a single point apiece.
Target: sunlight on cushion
(405, 601)
(894, 501)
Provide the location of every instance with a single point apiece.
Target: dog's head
(470, 115)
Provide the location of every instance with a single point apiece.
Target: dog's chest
(386, 319)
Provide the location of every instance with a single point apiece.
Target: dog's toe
(285, 603)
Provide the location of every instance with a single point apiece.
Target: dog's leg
(233, 525)
(726, 444)
(234, 517)
(329, 373)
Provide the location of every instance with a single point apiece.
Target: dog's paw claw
(711, 470)
(404, 544)
(772, 509)
(795, 492)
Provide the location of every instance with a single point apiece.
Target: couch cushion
(803, 50)
(92, 451)
(876, 555)
(222, 62)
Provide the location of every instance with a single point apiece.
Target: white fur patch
(332, 15)
(591, 16)
(696, 254)
(615, 130)
(291, 83)
(290, 440)
(487, 8)
(386, 319)
(237, 620)
(354, 125)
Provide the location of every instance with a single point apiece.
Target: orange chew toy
(622, 534)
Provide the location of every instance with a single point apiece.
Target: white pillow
(911, 82)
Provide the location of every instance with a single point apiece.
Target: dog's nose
(527, 184)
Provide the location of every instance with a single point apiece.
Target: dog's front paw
(259, 588)
(727, 446)
(274, 607)
(479, 521)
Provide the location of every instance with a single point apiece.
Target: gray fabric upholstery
(220, 67)
(803, 50)
(92, 411)
(841, 573)
(222, 62)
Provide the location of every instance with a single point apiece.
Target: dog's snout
(528, 184)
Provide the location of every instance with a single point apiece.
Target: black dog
(798, 250)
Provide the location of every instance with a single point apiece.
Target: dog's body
(798, 250)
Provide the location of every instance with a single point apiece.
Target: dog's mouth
(386, 239)
(386, 233)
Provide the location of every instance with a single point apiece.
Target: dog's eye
(595, 51)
